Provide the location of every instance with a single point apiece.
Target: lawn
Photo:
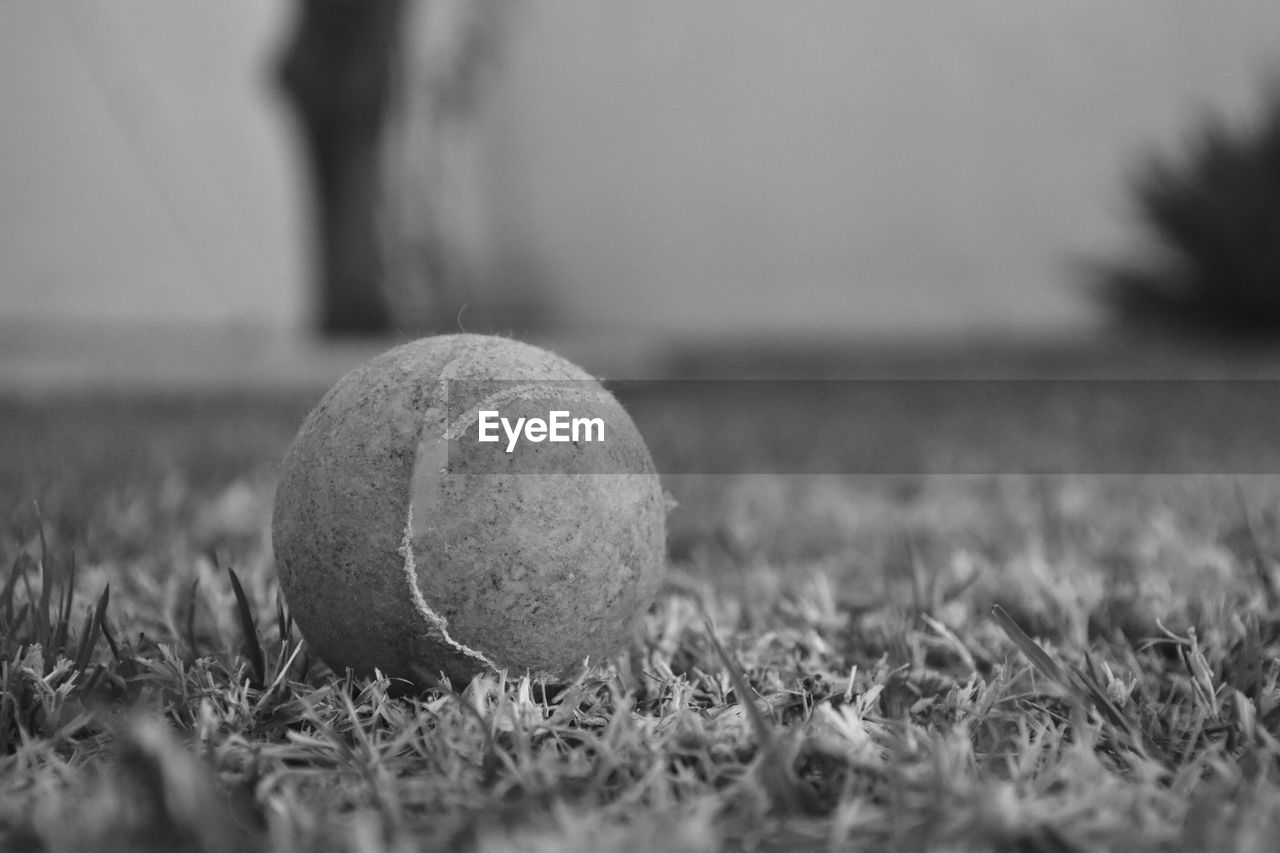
(954, 651)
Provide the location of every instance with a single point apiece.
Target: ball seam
(435, 620)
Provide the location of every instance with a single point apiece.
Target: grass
(1029, 663)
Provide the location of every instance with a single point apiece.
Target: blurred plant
(1215, 215)
(45, 668)
(387, 94)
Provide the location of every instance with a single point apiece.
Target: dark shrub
(1215, 214)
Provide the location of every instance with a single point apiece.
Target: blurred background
(195, 191)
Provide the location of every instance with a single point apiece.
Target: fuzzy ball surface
(405, 545)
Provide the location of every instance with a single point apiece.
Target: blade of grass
(1256, 555)
(252, 649)
(62, 631)
(284, 620)
(20, 564)
(1031, 649)
(40, 615)
(281, 674)
(190, 626)
(492, 762)
(1083, 689)
(94, 679)
(1091, 680)
(46, 586)
(89, 640)
(111, 640)
(284, 625)
(776, 770)
(15, 631)
(85, 647)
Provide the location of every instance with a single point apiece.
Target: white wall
(144, 172)
(674, 165)
(849, 165)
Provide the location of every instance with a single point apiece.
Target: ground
(951, 655)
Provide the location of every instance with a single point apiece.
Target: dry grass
(969, 663)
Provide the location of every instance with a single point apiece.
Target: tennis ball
(407, 545)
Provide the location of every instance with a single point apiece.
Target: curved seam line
(423, 609)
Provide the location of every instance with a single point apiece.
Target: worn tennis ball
(405, 544)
